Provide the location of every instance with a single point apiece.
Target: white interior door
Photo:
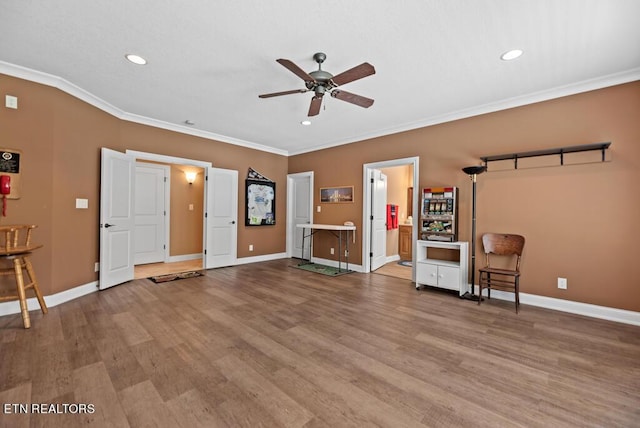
(117, 220)
(221, 241)
(379, 220)
(150, 242)
(300, 210)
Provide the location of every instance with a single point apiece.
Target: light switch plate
(11, 101)
(82, 203)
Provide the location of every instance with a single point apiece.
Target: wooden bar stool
(16, 247)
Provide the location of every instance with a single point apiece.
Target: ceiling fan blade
(314, 108)
(277, 94)
(296, 70)
(358, 72)
(358, 100)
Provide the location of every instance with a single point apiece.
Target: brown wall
(61, 136)
(580, 221)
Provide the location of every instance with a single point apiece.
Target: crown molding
(546, 95)
(536, 97)
(77, 92)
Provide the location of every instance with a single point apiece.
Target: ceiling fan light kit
(322, 82)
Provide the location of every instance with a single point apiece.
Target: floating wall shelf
(548, 152)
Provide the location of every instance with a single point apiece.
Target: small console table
(336, 230)
(452, 275)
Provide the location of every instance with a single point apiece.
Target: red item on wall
(392, 216)
(5, 189)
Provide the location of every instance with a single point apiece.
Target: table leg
(340, 251)
(347, 254)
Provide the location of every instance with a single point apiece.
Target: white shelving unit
(452, 275)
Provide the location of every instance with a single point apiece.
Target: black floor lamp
(473, 172)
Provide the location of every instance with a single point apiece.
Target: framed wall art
(334, 195)
(260, 203)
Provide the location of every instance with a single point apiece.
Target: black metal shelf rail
(548, 152)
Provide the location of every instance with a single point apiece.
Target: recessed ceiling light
(305, 122)
(510, 55)
(136, 59)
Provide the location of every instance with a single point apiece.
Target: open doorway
(299, 211)
(169, 207)
(406, 200)
(117, 219)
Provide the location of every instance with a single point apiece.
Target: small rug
(321, 269)
(407, 263)
(174, 276)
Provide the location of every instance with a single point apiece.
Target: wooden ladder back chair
(16, 247)
(506, 277)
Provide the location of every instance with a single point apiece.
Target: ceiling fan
(322, 82)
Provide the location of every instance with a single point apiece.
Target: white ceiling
(209, 60)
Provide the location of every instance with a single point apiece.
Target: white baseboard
(578, 308)
(395, 258)
(184, 257)
(13, 307)
(263, 258)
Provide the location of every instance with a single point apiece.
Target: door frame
(290, 204)
(366, 208)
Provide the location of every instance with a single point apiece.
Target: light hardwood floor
(154, 269)
(266, 345)
(395, 270)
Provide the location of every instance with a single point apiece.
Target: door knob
(233, 222)
(108, 225)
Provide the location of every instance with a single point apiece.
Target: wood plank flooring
(266, 345)
(395, 270)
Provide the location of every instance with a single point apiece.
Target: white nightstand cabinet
(452, 275)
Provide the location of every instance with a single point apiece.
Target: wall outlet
(562, 283)
(250, 247)
(333, 251)
(96, 267)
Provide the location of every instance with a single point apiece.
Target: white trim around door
(298, 211)
(366, 206)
